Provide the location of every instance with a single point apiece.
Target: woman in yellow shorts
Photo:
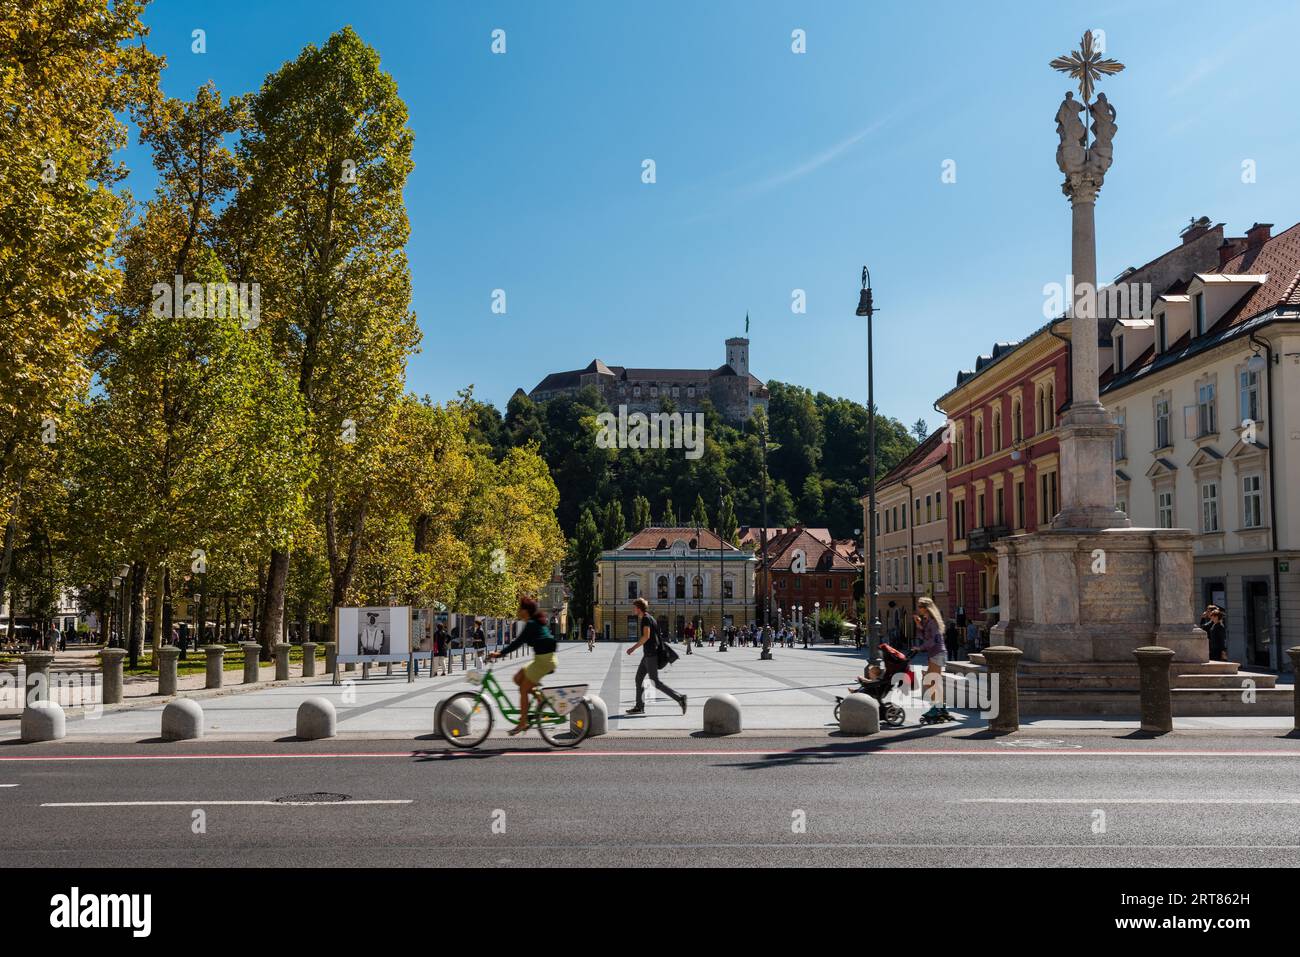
(537, 636)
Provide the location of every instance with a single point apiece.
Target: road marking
(642, 753)
(1091, 801)
(215, 803)
(8, 785)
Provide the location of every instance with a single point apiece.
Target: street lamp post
(867, 308)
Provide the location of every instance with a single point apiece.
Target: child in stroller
(879, 681)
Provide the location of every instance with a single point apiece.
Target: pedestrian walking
(931, 635)
(591, 637)
(655, 654)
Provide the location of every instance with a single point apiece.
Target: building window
(959, 520)
(690, 391)
(916, 511)
(1205, 418)
(997, 430)
(631, 588)
(1017, 421)
(729, 587)
(929, 509)
(1119, 354)
(1162, 342)
(679, 587)
(1198, 311)
(999, 506)
(979, 440)
(903, 514)
(1252, 501)
(636, 392)
(1209, 506)
(1121, 438)
(938, 506)
(929, 568)
(1249, 394)
(938, 561)
(1122, 505)
(1162, 426)
(1047, 503)
(905, 570)
(1165, 509)
(698, 584)
(918, 569)
(979, 509)
(662, 590)
(1020, 504)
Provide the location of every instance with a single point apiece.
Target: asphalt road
(935, 799)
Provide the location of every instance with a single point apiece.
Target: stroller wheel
(894, 716)
(837, 712)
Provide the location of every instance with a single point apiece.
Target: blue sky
(775, 171)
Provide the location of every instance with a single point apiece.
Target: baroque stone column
(1087, 432)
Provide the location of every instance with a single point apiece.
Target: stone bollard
(182, 720)
(1002, 661)
(1153, 673)
(252, 661)
(859, 714)
(597, 716)
(309, 659)
(216, 655)
(316, 719)
(42, 721)
(37, 687)
(1295, 681)
(331, 657)
(281, 649)
(167, 656)
(111, 661)
(722, 715)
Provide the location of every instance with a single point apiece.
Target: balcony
(982, 539)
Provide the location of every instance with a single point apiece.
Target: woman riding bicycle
(537, 636)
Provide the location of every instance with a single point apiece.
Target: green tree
(615, 528)
(670, 515)
(727, 521)
(811, 504)
(327, 158)
(700, 514)
(920, 430)
(580, 566)
(641, 513)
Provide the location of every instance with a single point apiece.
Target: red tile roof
(656, 537)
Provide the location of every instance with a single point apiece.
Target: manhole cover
(315, 797)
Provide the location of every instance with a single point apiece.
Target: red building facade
(1003, 461)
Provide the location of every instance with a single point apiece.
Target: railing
(982, 539)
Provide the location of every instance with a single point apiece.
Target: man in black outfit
(649, 645)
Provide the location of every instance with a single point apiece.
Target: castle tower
(738, 355)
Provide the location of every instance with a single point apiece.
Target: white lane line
(216, 803)
(8, 785)
(1131, 800)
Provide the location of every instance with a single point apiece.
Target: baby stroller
(895, 663)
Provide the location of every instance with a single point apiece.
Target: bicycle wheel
(465, 720)
(567, 733)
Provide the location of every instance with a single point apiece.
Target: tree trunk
(277, 575)
(6, 561)
(137, 611)
(156, 615)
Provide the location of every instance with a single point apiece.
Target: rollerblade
(937, 715)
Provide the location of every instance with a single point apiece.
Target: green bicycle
(465, 720)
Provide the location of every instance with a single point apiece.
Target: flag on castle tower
(746, 323)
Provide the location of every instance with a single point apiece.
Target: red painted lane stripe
(672, 753)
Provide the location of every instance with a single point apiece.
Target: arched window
(631, 588)
(663, 587)
(699, 587)
(997, 430)
(1050, 417)
(979, 439)
(1040, 408)
(680, 590)
(1017, 421)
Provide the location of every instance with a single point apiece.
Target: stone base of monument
(1073, 596)
(1197, 689)
(1079, 601)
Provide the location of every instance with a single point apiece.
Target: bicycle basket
(563, 698)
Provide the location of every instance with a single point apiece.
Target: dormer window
(1198, 312)
(1119, 354)
(1162, 342)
